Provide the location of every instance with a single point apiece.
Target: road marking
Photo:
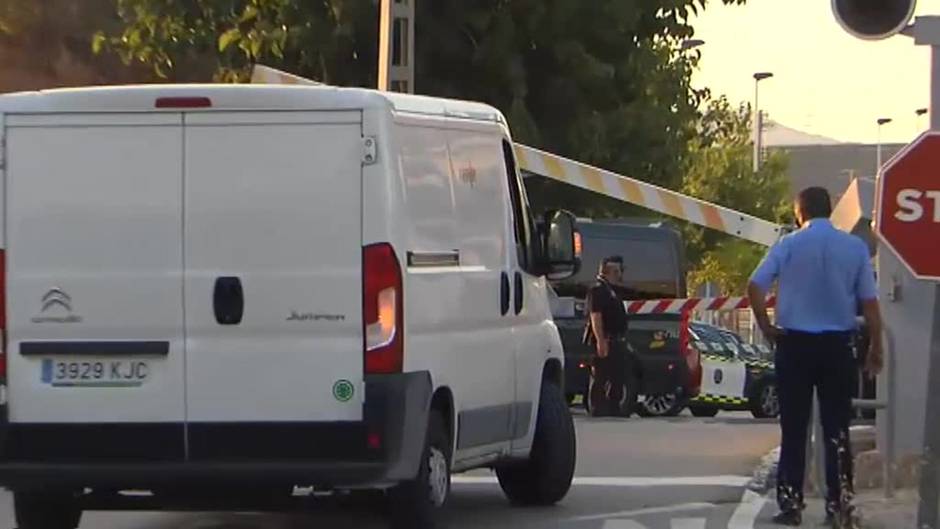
(642, 512)
(623, 524)
(746, 513)
(687, 481)
(687, 523)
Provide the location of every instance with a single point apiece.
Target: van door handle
(228, 300)
(518, 294)
(504, 293)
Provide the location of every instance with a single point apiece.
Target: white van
(226, 288)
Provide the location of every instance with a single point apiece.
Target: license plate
(94, 373)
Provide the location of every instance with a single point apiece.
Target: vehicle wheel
(703, 411)
(419, 503)
(665, 405)
(544, 479)
(765, 403)
(628, 402)
(46, 511)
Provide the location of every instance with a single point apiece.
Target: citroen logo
(56, 296)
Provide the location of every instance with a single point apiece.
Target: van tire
(545, 478)
(45, 511)
(417, 504)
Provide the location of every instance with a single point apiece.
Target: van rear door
(273, 281)
(94, 265)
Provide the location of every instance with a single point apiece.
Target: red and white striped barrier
(679, 306)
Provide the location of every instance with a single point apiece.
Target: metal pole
(927, 512)
(396, 46)
(878, 153)
(819, 449)
(756, 119)
(385, 45)
(887, 460)
(927, 515)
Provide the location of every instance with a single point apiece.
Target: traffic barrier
(266, 75)
(679, 306)
(649, 196)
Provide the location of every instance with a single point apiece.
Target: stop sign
(908, 206)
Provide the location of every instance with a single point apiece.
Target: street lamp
(758, 119)
(881, 121)
(920, 112)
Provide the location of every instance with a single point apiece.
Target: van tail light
(690, 354)
(382, 314)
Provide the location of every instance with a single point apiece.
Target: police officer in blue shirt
(823, 276)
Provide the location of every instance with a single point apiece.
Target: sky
(825, 81)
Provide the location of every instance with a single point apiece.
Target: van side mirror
(561, 245)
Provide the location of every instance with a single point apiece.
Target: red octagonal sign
(908, 206)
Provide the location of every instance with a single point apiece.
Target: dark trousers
(609, 374)
(823, 361)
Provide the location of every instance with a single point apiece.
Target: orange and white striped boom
(649, 196)
(682, 306)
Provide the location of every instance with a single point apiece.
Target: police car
(735, 375)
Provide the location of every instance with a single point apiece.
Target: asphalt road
(679, 473)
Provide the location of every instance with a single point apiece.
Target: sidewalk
(875, 511)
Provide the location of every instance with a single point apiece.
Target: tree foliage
(45, 44)
(720, 170)
(603, 81)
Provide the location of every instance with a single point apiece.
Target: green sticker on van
(343, 390)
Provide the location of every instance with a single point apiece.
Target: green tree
(603, 81)
(720, 170)
(45, 43)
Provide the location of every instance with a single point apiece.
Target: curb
(765, 475)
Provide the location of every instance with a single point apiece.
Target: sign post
(908, 222)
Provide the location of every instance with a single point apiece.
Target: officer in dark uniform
(607, 331)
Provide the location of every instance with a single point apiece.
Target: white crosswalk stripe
(687, 523)
(675, 523)
(747, 511)
(605, 481)
(623, 524)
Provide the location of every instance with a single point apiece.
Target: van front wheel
(45, 511)
(544, 479)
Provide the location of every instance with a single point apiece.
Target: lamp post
(920, 112)
(881, 121)
(758, 119)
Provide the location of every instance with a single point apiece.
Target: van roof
(137, 98)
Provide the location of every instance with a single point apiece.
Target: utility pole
(397, 46)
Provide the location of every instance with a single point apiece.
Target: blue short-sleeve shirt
(822, 274)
